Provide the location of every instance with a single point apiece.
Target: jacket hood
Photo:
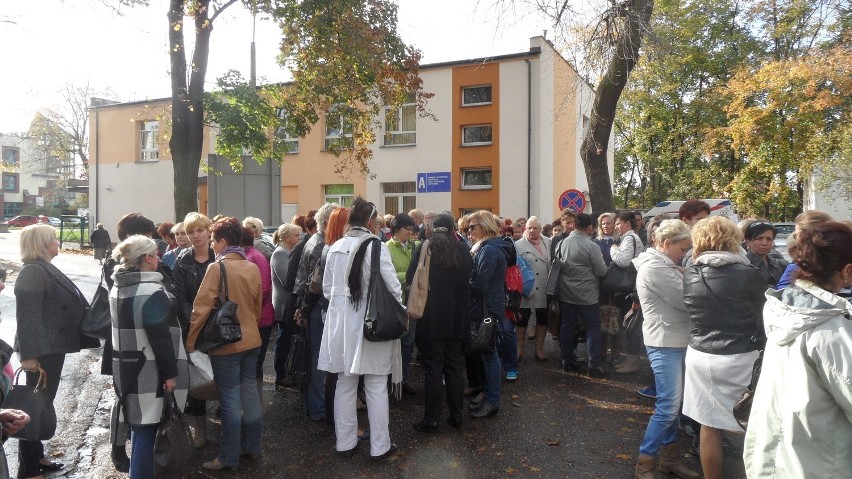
(649, 256)
(507, 246)
(721, 258)
(798, 308)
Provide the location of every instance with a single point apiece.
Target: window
(10, 210)
(338, 129)
(10, 182)
(149, 139)
(476, 179)
(11, 155)
(476, 135)
(399, 197)
(401, 125)
(476, 95)
(284, 139)
(467, 211)
(340, 194)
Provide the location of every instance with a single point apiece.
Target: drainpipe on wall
(529, 137)
(97, 168)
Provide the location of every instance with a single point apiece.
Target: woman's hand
(13, 420)
(170, 384)
(297, 316)
(30, 365)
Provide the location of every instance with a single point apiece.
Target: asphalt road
(551, 424)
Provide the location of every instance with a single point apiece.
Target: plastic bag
(201, 384)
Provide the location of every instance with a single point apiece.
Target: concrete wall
(255, 191)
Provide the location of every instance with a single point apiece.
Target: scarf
(231, 249)
(537, 245)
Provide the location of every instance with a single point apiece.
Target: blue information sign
(435, 182)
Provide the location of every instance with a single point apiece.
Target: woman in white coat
(535, 249)
(344, 350)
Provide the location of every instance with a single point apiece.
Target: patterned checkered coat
(148, 346)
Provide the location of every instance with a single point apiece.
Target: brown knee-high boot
(540, 335)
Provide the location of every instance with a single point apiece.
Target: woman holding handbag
(344, 350)
(48, 329)
(148, 347)
(445, 323)
(234, 364)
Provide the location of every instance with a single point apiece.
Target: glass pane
(475, 95)
(409, 118)
(339, 189)
(391, 205)
(409, 203)
(476, 134)
(476, 177)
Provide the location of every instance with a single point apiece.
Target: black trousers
(31, 452)
(442, 360)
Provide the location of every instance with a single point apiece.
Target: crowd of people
(711, 294)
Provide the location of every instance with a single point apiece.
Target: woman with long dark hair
(445, 324)
(343, 350)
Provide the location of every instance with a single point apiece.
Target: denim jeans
(234, 375)
(313, 392)
(507, 341)
(668, 367)
(142, 451)
(491, 363)
(569, 313)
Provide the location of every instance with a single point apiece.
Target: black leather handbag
(222, 326)
(33, 401)
(620, 279)
(97, 319)
(173, 450)
(385, 318)
(483, 335)
(298, 365)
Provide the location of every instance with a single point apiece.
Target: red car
(22, 220)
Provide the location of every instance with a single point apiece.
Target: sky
(46, 44)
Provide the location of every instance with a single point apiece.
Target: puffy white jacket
(659, 284)
(801, 419)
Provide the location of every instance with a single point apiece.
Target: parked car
(22, 220)
(718, 207)
(782, 233)
(54, 221)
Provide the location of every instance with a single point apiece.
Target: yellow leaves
(624, 457)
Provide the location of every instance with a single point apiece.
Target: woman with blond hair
(666, 326)
(285, 238)
(47, 328)
(723, 293)
(606, 236)
(144, 324)
(488, 299)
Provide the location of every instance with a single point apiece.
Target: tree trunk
(596, 141)
(187, 103)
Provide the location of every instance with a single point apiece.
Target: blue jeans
(282, 349)
(142, 451)
(313, 392)
(508, 343)
(235, 375)
(569, 313)
(668, 366)
(492, 377)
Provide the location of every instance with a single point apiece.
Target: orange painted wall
(476, 156)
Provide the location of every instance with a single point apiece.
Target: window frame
(478, 143)
(344, 137)
(341, 198)
(290, 142)
(17, 153)
(398, 116)
(464, 104)
(465, 171)
(401, 196)
(151, 153)
(16, 177)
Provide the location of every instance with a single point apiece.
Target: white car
(55, 222)
(782, 233)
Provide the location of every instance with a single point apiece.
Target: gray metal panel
(256, 191)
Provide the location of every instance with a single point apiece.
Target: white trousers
(346, 413)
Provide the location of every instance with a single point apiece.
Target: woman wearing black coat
(445, 324)
(49, 309)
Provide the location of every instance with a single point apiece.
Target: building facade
(506, 137)
(31, 181)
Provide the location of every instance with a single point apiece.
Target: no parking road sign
(574, 199)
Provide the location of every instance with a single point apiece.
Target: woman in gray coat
(535, 249)
(49, 309)
(285, 238)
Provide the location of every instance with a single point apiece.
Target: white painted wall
(827, 200)
(432, 153)
(145, 188)
(514, 105)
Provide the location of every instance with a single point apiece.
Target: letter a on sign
(421, 182)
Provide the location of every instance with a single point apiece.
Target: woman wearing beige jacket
(234, 365)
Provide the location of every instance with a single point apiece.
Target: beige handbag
(420, 284)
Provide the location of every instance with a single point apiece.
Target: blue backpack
(528, 274)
